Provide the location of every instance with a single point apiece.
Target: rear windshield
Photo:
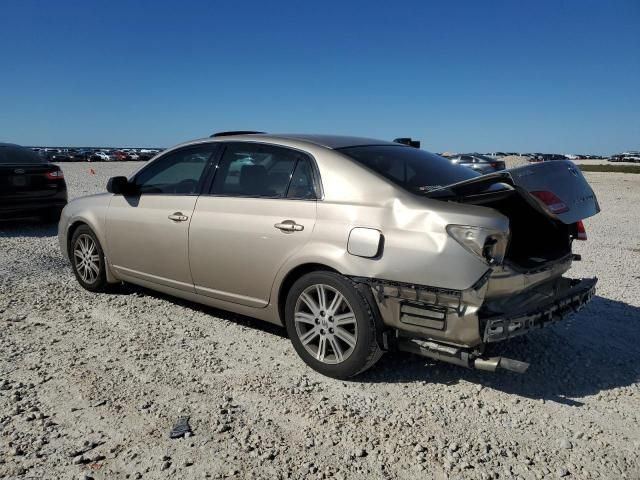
(10, 154)
(413, 169)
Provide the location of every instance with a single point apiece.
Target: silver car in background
(357, 246)
(477, 162)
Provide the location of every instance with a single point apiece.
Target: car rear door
(260, 209)
(147, 232)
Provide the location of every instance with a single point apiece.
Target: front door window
(177, 173)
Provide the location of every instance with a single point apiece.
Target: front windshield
(413, 169)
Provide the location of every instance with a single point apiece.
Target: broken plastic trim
(378, 287)
(375, 282)
(181, 428)
(422, 311)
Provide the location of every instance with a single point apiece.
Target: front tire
(332, 325)
(87, 260)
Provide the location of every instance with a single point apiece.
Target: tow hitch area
(459, 356)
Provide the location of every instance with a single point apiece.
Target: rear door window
(257, 170)
(302, 186)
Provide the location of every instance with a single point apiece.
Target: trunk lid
(562, 178)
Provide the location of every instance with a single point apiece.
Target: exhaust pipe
(493, 363)
(487, 364)
(459, 356)
(513, 365)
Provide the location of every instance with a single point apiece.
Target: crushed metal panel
(460, 325)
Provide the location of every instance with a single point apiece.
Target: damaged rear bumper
(455, 326)
(570, 296)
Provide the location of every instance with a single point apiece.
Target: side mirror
(119, 186)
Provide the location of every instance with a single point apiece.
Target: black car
(79, 155)
(29, 185)
(58, 156)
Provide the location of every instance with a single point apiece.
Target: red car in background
(118, 155)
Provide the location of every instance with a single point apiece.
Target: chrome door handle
(289, 226)
(178, 217)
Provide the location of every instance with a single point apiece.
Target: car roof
(328, 141)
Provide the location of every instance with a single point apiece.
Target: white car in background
(100, 157)
(630, 156)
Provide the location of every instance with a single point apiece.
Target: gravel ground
(91, 385)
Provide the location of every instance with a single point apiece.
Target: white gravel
(90, 385)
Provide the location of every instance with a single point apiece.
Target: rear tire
(87, 260)
(332, 325)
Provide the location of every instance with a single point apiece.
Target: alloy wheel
(325, 324)
(87, 259)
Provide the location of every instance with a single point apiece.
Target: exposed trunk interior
(536, 238)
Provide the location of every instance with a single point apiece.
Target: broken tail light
(551, 201)
(485, 243)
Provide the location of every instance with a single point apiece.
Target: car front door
(148, 231)
(260, 209)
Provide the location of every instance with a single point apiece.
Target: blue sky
(561, 76)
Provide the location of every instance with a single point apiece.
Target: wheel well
(292, 277)
(74, 226)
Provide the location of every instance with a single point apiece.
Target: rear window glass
(18, 155)
(411, 168)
